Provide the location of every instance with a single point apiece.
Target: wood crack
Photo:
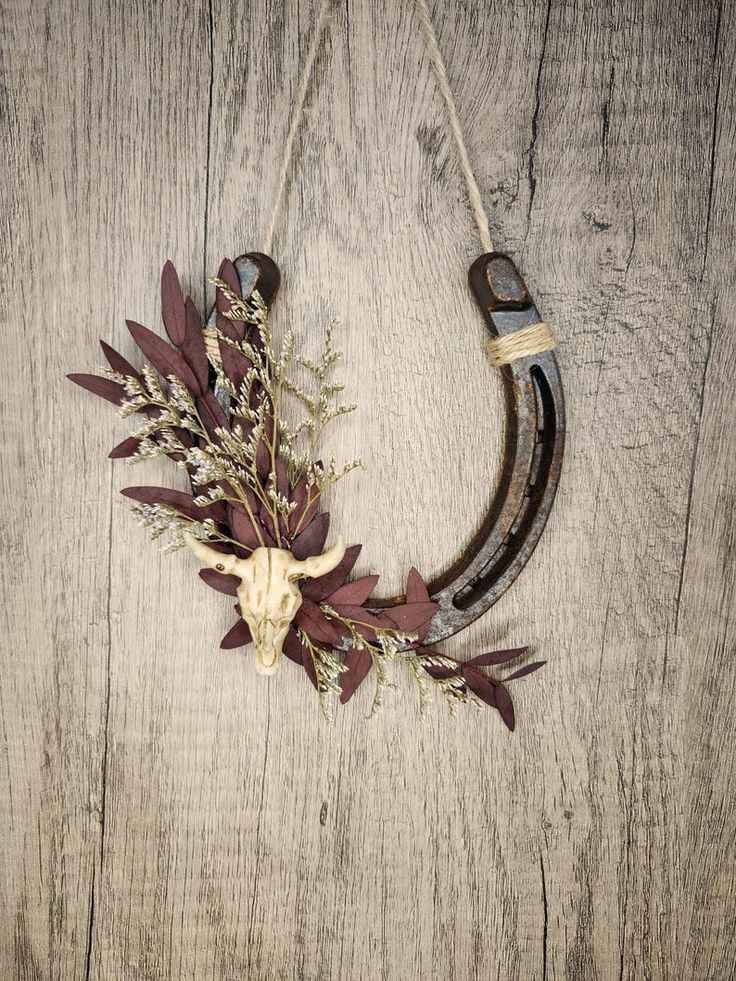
(545, 920)
(693, 470)
(711, 176)
(535, 118)
(90, 926)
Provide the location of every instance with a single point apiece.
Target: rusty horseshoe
(533, 451)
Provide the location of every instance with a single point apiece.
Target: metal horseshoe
(534, 446)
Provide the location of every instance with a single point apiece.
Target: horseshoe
(533, 451)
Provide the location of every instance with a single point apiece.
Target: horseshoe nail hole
(323, 813)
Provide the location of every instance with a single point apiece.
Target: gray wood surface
(163, 812)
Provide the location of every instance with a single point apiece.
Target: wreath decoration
(213, 402)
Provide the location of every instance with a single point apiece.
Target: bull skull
(268, 592)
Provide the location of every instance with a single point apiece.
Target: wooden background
(163, 812)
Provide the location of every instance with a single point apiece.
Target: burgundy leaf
(234, 363)
(312, 540)
(282, 477)
(164, 358)
(364, 622)
(235, 330)
(242, 528)
(237, 636)
(496, 657)
(172, 304)
(439, 673)
(316, 625)
(263, 451)
(527, 669)
(193, 346)
(359, 664)
(211, 411)
(249, 496)
(293, 647)
(354, 593)
(416, 588)
(304, 513)
(228, 274)
(318, 589)
(177, 499)
(417, 592)
(411, 616)
(104, 387)
(125, 449)
(484, 687)
(505, 706)
(222, 583)
(263, 459)
(117, 362)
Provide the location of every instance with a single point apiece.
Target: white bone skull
(268, 593)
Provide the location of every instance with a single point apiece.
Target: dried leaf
(307, 502)
(365, 623)
(505, 706)
(216, 580)
(416, 588)
(125, 449)
(359, 664)
(234, 329)
(242, 528)
(165, 359)
(484, 687)
(496, 657)
(103, 387)
(193, 346)
(411, 616)
(237, 636)
(293, 647)
(312, 540)
(228, 274)
(354, 593)
(282, 477)
(211, 411)
(316, 625)
(177, 499)
(263, 459)
(527, 669)
(117, 362)
(234, 363)
(318, 589)
(172, 304)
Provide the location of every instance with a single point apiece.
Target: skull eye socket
(220, 567)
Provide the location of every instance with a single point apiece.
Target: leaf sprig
(214, 401)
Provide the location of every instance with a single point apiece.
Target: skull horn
(319, 565)
(210, 557)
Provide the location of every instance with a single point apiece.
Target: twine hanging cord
(523, 343)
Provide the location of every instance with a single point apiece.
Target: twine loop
(524, 343)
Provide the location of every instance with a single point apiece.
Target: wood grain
(166, 814)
